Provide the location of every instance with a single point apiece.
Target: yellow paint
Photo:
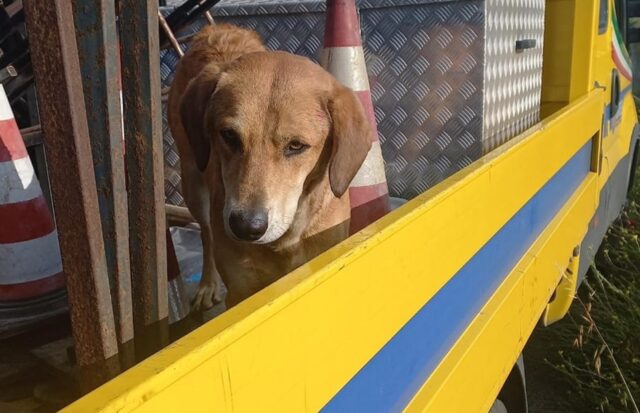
(556, 70)
(295, 344)
(593, 51)
(559, 305)
(314, 329)
(585, 31)
(567, 70)
(484, 355)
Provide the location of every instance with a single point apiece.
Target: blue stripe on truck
(388, 382)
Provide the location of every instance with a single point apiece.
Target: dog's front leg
(210, 288)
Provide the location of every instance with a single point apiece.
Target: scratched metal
(96, 34)
(56, 69)
(426, 66)
(139, 49)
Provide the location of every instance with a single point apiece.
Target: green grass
(596, 348)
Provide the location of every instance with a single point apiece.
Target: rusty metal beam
(139, 47)
(61, 103)
(97, 39)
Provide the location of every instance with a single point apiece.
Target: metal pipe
(172, 39)
(178, 215)
(209, 17)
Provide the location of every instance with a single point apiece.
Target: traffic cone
(30, 263)
(343, 57)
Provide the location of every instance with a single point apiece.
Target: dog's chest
(261, 266)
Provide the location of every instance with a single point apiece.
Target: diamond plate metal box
(512, 78)
(437, 71)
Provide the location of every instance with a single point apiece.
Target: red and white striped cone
(343, 57)
(30, 263)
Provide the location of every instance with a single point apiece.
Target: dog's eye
(231, 139)
(294, 148)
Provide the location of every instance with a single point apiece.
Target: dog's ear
(193, 108)
(351, 138)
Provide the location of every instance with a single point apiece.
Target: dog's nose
(248, 225)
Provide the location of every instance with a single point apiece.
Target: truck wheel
(513, 395)
(498, 407)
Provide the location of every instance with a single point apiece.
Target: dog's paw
(206, 297)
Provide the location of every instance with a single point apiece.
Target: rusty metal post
(139, 46)
(61, 103)
(97, 38)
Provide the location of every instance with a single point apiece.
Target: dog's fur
(239, 115)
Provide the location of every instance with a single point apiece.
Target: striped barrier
(343, 57)
(30, 263)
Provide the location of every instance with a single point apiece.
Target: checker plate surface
(427, 71)
(513, 80)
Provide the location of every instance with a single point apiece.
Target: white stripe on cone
(372, 170)
(34, 259)
(347, 64)
(5, 109)
(30, 260)
(18, 182)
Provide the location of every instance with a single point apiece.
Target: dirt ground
(545, 392)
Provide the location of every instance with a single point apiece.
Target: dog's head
(278, 126)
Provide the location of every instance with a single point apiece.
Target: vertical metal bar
(64, 123)
(139, 43)
(97, 38)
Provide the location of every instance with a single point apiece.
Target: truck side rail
(403, 314)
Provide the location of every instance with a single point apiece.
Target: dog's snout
(248, 225)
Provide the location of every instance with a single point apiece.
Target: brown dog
(269, 143)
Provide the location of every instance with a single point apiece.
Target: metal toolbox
(450, 80)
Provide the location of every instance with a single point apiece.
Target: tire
(513, 395)
(498, 407)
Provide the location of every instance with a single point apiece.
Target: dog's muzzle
(248, 225)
